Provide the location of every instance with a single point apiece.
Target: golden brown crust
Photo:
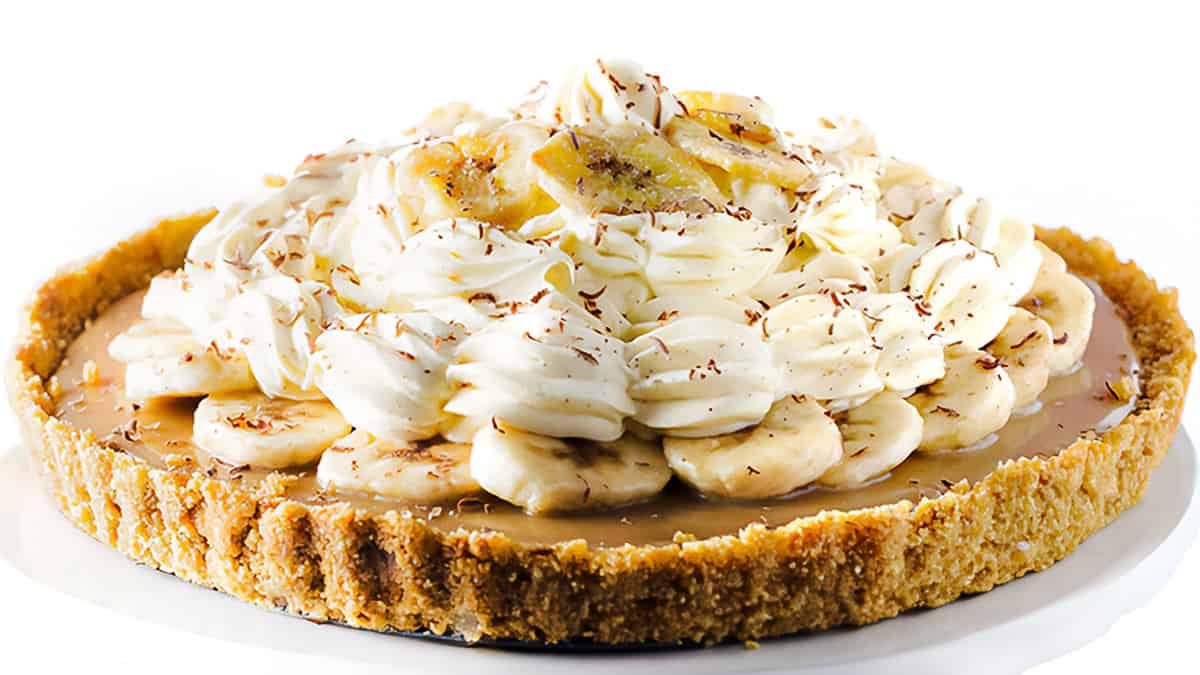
(330, 562)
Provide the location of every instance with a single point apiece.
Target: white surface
(1110, 574)
(112, 114)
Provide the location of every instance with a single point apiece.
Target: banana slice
(796, 443)
(164, 359)
(482, 175)
(544, 474)
(739, 156)
(423, 472)
(732, 115)
(622, 168)
(877, 436)
(972, 401)
(251, 428)
(1024, 348)
(1062, 300)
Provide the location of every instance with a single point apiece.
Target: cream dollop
(468, 272)
(276, 322)
(824, 349)
(547, 371)
(977, 221)
(706, 370)
(609, 92)
(386, 373)
(708, 253)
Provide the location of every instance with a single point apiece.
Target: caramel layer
(1071, 405)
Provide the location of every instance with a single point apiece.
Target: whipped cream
(434, 287)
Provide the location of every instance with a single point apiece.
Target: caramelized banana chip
(480, 175)
(741, 157)
(622, 168)
(732, 115)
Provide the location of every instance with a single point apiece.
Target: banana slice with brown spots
(973, 401)
(877, 436)
(795, 444)
(251, 428)
(732, 115)
(543, 474)
(739, 156)
(482, 175)
(622, 168)
(1024, 348)
(1062, 300)
(164, 359)
(424, 472)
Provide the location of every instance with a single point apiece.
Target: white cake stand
(1007, 630)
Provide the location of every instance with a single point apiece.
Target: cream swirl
(844, 218)
(975, 220)
(709, 253)
(468, 271)
(609, 92)
(806, 272)
(546, 371)
(961, 287)
(824, 349)
(701, 373)
(276, 322)
(386, 373)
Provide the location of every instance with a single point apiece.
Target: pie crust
(329, 562)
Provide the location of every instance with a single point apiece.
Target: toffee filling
(159, 433)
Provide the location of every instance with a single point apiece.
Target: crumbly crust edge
(389, 572)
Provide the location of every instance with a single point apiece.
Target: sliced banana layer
(543, 474)
(1062, 300)
(481, 174)
(622, 168)
(164, 359)
(876, 436)
(1024, 348)
(973, 400)
(741, 157)
(420, 472)
(251, 428)
(796, 443)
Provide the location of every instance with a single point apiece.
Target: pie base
(330, 562)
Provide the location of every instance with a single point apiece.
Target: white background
(112, 114)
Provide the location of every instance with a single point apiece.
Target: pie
(622, 364)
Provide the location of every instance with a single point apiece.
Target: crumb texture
(331, 562)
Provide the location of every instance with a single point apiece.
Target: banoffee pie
(623, 364)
